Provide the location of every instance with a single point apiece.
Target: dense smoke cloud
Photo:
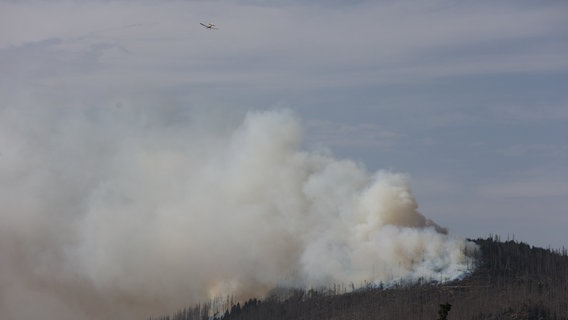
(125, 213)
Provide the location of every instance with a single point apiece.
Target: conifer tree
(443, 311)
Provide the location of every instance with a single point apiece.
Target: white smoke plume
(125, 213)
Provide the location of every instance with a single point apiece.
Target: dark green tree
(443, 311)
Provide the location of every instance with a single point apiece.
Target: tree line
(512, 280)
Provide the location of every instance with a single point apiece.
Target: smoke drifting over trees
(120, 213)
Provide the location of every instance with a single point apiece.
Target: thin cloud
(363, 135)
(528, 113)
(302, 47)
(50, 58)
(551, 181)
(537, 150)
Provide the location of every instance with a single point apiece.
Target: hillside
(512, 281)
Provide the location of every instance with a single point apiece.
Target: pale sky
(470, 99)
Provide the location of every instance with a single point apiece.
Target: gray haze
(468, 98)
(119, 213)
(127, 153)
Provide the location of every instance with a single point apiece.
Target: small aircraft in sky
(209, 26)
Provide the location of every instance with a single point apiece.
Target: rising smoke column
(124, 213)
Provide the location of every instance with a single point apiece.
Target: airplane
(209, 26)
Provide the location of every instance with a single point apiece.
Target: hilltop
(513, 280)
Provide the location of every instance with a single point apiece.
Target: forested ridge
(513, 280)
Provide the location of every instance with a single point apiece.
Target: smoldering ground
(124, 213)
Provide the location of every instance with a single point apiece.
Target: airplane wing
(209, 26)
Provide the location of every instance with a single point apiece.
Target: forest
(512, 280)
